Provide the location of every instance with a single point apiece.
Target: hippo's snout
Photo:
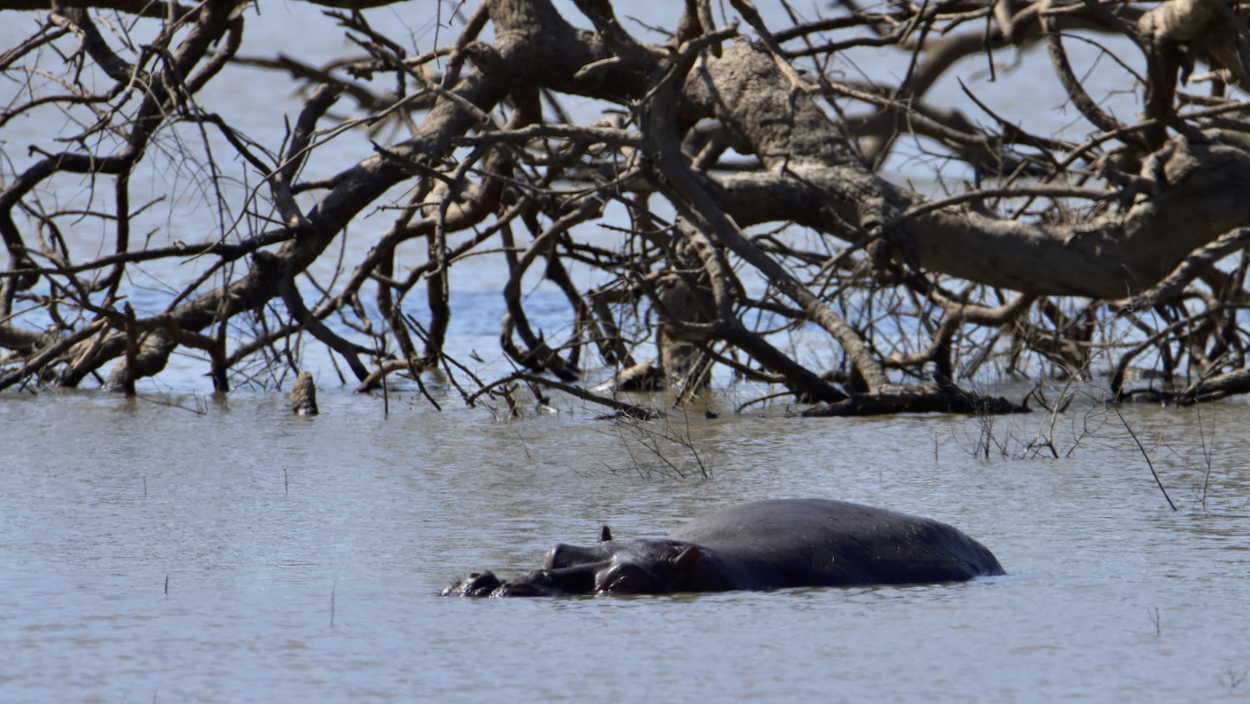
(580, 579)
(477, 584)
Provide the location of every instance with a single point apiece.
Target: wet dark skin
(757, 546)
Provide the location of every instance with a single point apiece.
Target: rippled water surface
(149, 553)
(199, 549)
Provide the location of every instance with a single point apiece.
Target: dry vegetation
(1121, 254)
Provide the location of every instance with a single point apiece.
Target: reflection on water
(248, 555)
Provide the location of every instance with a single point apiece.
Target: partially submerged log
(304, 395)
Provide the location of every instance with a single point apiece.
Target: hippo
(757, 546)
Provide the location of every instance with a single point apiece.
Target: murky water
(190, 548)
(149, 553)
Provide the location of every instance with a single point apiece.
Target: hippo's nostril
(478, 584)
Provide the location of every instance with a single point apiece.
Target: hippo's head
(611, 567)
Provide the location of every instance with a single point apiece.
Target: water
(185, 547)
(150, 553)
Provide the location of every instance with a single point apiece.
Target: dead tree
(1063, 258)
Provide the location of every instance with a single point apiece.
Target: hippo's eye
(627, 579)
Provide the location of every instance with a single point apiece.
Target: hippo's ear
(605, 535)
(688, 557)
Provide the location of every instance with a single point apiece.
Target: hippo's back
(816, 542)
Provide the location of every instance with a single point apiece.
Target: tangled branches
(725, 210)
